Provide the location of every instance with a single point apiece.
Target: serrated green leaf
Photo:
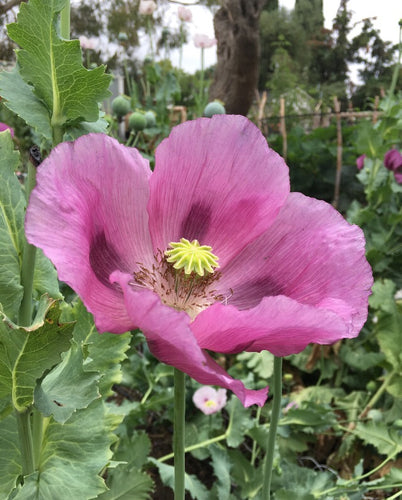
(45, 277)
(387, 441)
(67, 388)
(27, 352)
(54, 66)
(239, 423)
(193, 485)
(105, 351)
(72, 456)
(20, 98)
(10, 456)
(12, 238)
(222, 466)
(134, 451)
(262, 363)
(388, 327)
(12, 204)
(127, 484)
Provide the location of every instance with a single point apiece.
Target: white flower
(184, 14)
(147, 7)
(203, 41)
(208, 400)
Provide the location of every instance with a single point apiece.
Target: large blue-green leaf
(72, 456)
(12, 238)
(21, 99)
(67, 387)
(27, 352)
(54, 66)
(12, 204)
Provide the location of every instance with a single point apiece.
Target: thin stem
(37, 434)
(28, 262)
(179, 423)
(65, 21)
(276, 407)
(377, 395)
(196, 446)
(254, 450)
(25, 437)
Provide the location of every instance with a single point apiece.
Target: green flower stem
(37, 435)
(26, 444)
(65, 21)
(179, 428)
(201, 82)
(202, 444)
(276, 407)
(377, 395)
(57, 120)
(28, 262)
(255, 448)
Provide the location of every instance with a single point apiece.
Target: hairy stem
(276, 407)
(26, 444)
(179, 427)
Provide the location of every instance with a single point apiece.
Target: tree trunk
(236, 74)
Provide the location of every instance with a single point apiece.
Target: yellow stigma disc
(192, 256)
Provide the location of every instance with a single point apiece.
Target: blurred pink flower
(87, 43)
(203, 41)
(209, 400)
(4, 126)
(291, 271)
(360, 162)
(147, 7)
(184, 14)
(393, 162)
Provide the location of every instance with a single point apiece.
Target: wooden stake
(337, 109)
(283, 128)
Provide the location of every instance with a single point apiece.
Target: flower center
(192, 257)
(182, 276)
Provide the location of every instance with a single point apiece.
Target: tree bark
(236, 74)
(9, 5)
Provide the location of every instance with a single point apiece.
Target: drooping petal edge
(170, 339)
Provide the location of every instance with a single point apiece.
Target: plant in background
(202, 42)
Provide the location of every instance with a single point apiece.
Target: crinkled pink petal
(170, 339)
(216, 181)
(83, 217)
(277, 324)
(311, 255)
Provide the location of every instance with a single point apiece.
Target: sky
(386, 12)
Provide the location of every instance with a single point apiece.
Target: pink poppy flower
(360, 162)
(147, 7)
(209, 400)
(203, 41)
(4, 126)
(184, 14)
(393, 162)
(279, 270)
